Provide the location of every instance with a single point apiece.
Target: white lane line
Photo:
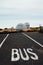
(3, 40)
(32, 39)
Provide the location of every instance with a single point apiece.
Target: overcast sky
(13, 12)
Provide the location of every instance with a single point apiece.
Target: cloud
(21, 7)
(21, 10)
(30, 7)
(21, 3)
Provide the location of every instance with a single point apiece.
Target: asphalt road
(33, 41)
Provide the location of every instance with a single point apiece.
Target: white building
(22, 26)
(27, 25)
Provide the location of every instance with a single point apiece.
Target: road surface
(29, 44)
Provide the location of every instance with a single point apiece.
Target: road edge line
(4, 40)
(32, 39)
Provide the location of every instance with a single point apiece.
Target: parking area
(2, 37)
(25, 48)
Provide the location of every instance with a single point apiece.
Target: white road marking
(3, 40)
(32, 39)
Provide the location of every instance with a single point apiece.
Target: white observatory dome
(27, 25)
(20, 26)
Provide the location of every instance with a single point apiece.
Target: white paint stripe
(32, 39)
(3, 40)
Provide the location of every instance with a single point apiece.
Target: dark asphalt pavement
(18, 40)
(37, 36)
(2, 37)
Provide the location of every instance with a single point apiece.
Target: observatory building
(22, 26)
(27, 25)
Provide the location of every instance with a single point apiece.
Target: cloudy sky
(13, 12)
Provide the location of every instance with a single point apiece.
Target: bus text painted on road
(17, 54)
